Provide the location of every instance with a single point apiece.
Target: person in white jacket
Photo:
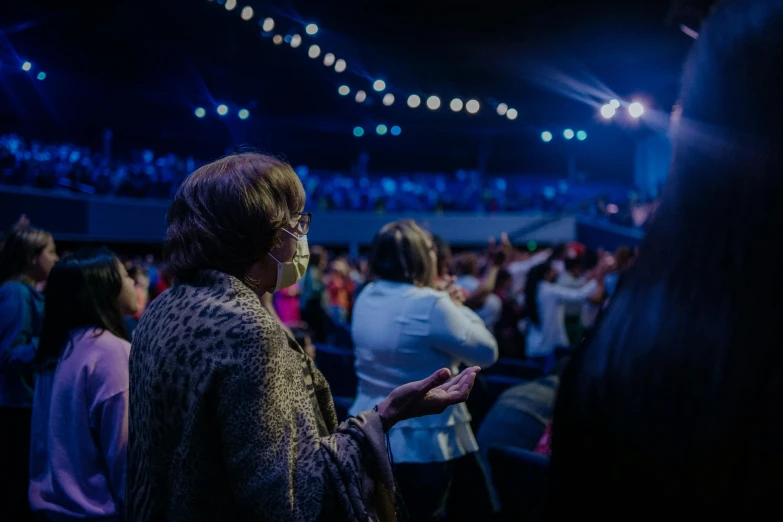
(545, 301)
(404, 329)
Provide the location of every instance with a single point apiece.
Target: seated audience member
(670, 410)
(80, 410)
(403, 328)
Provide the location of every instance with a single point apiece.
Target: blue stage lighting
(200, 112)
(581, 135)
(381, 129)
(243, 114)
(358, 132)
(396, 130)
(546, 136)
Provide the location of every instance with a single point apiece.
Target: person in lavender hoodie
(80, 406)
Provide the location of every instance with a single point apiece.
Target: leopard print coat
(230, 420)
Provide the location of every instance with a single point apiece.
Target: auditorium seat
(520, 478)
(337, 366)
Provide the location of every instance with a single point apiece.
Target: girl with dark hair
(671, 409)
(27, 255)
(80, 410)
(545, 302)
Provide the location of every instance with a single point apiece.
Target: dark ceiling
(141, 69)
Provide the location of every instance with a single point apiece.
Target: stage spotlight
(607, 111)
(268, 25)
(512, 114)
(568, 134)
(379, 85)
(635, 109)
(456, 105)
(396, 130)
(433, 103)
(311, 29)
(26, 66)
(200, 112)
(328, 59)
(247, 13)
(502, 109)
(414, 101)
(381, 129)
(230, 5)
(41, 75)
(344, 90)
(277, 39)
(581, 135)
(546, 136)
(243, 114)
(472, 106)
(296, 41)
(222, 109)
(615, 104)
(361, 96)
(388, 99)
(358, 132)
(340, 65)
(314, 52)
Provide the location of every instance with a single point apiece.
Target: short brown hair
(228, 214)
(401, 253)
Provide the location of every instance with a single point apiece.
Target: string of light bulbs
(314, 51)
(414, 101)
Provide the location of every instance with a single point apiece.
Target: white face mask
(289, 272)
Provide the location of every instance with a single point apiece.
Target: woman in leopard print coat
(229, 419)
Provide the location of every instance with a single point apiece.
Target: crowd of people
(71, 168)
(410, 307)
(659, 369)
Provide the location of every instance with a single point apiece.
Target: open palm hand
(427, 397)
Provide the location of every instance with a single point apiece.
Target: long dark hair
(672, 406)
(82, 291)
(17, 247)
(534, 278)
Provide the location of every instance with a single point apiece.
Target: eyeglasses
(303, 223)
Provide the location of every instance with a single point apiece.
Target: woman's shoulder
(406, 290)
(15, 290)
(102, 342)
(103, 353)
